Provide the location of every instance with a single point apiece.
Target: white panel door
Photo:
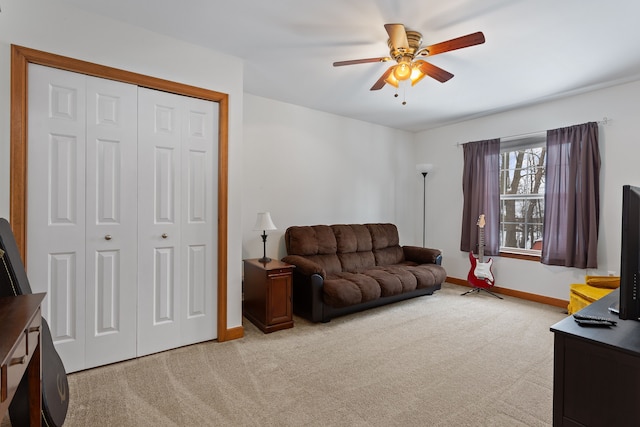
(111, 222)
(159, 169)
(121, 219)
(199, 185)
(56, 205)
(176, 253)
(81, 221)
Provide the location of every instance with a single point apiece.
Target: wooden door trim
(20, 58)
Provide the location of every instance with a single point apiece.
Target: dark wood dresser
(596, 373)
(267, 294)
(20, 339)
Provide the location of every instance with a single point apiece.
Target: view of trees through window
(522, 174)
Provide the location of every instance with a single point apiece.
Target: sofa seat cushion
(388, 282)
(345, 289)
(407, 278)
(427, 274)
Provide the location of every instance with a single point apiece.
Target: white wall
(58, 28)
(619, 150)
(308, 167)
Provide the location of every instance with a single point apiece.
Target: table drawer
(279, 271)
(15, 367)
(18, 361)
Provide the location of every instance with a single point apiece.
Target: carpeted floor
(440, 360)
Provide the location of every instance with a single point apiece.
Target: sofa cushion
(310, 240)
(383, 235)
(352, 238)
(330, 263)
(427, 274)
(389, 256)
(354, 247)
(357, 262)
(345, 289)
(407, 279)
(389, 283)
(386, 244)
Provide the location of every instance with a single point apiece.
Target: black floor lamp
(424, 169)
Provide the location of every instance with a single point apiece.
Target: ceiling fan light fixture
(391, 78)
(416, 73)
(402, 71)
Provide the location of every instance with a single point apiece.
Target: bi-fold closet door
(120, 216)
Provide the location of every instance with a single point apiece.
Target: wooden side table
(267, 294)
(20, 338)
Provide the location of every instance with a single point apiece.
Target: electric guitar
(480, 274)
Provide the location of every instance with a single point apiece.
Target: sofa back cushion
(386, 244)
(354, 247)
(318, 243)
(349, 248)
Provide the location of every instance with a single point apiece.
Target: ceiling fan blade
(433, 71)
(361, 61)
(398, 36)
(457, 43)
(381, 81)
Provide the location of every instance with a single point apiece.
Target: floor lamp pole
(424, 205)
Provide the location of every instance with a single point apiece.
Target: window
(522, 175)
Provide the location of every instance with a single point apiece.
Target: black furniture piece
(596, 373)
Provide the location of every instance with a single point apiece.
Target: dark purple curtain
(572, 197)
(481, 191)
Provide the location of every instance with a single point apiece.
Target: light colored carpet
(440, 360)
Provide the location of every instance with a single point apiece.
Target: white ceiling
(535, 50)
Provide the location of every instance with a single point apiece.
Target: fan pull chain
(404, 95)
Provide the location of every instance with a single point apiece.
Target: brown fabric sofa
(344, 268)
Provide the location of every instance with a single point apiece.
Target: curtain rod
(605, 121)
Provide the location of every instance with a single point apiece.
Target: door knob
(164, 235)
(107, 237)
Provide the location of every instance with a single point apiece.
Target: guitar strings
(6, 268)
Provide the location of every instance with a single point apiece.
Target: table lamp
(264, 223)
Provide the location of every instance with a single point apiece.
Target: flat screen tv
(630, 254)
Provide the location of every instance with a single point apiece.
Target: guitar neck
(481, 244)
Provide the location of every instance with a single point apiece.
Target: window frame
(511, 144)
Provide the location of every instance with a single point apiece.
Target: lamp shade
(391, 78)
(263, 222)
(424, 167)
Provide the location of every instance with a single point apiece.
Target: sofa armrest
(422, 255)
(308, 300)
(305, 266)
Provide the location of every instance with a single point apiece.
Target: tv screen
(630, 253)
